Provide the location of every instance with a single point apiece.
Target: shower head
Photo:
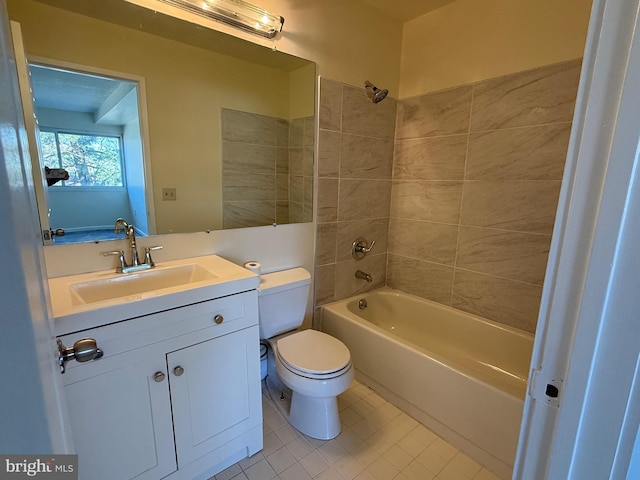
(374, 93)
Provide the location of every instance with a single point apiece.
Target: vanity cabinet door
(215, 392)
(120, 416)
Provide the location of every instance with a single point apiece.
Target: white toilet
(316, 367)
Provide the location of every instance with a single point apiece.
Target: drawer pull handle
(178, 371)
(158, 376)
(218, 319)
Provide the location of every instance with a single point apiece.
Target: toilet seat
(313, 354)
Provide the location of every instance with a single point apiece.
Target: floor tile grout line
(395, 438)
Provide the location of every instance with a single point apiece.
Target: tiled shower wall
(267, 169)
(355, 162)
(476, 176)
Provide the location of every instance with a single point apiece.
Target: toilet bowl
(314, 366)
(316, 377)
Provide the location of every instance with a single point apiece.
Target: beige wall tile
(296, 133)
(307, 212)
(440, 113)
(307, 161)
(330, 113)
(326, 243)
(505, 301)
(296, 212)
(432, 201)
(433, 242)
(282, 212)
(327, 200)
(359, 199)
(282, 160)
(346, 282)
(439, 158)
(540, 96)
(328, 153)
(525, 206)
(248, 214)
(246, 187)
(527, 153)
(366, 157)
(248, 127)
(513, 255)
(425, 279)
(282, 188)
(296, 189)
(296, 161)
(307, 185)
(308, 139)
(370, 229)
(282, 133)
(244, 157)
(362, 117)
(324, 281)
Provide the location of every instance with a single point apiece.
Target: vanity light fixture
(236, 13)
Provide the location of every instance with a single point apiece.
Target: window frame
(62, 185)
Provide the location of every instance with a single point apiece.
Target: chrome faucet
(131, 235)
(135, 265)
(364, 276)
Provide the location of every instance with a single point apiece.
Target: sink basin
(89, 300)
(133, 284)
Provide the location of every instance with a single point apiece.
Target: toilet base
(315, 417)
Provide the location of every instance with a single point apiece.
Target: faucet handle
(122, 263)
(147, 254)
(360, 247)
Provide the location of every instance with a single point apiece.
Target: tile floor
(377, 442)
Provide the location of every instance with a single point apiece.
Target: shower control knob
(178, 371)
(360, 247)
(218, 319)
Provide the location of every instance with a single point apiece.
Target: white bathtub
(462, 376)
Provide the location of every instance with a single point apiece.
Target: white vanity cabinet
(176, 394)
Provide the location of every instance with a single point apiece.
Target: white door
(33, 415)
(588, 338)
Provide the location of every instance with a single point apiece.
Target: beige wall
(472, 40)
(350, 41)
(301, 104)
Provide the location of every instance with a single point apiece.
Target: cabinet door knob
(178, 371)
(218, 319)
(158, 376)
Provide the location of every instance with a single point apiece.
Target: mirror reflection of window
(90, 160)
(89, 128)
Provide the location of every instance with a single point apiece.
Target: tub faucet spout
(364, 276)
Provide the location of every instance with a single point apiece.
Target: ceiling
(405, 10)
(109, 101)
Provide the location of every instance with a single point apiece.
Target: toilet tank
(282, 301)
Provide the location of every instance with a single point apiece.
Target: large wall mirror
(173, 126)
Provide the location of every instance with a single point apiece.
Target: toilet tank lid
(283, 280)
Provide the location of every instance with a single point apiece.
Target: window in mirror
(90, 160)
(89, 125)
